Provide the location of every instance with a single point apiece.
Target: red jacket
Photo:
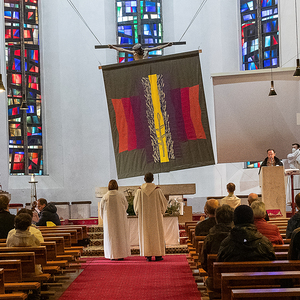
(269, 230)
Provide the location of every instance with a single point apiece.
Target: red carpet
(134, 278)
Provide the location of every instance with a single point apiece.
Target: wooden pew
(59, 241)
(27, 260)
(79, 230)
(40, 252)
(13, 296)
(281, 248)
(66, 236)
(261, 294)
(72, 232)
(13, 277)
(244, 280)
(251, 266)
(189, 223)
(28, 263)
(281, 255)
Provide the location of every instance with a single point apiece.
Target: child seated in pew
(32, 229)
(22, 237)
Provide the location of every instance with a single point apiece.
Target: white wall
(78, 147)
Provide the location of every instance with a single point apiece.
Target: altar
(171, 230)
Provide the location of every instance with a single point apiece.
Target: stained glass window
(260, 34)
(139, 22)
(23, 78)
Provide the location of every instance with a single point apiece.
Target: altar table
(171, 230)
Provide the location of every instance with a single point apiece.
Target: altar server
(149, 205)
(113, 208)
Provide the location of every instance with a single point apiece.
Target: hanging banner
(158, 115)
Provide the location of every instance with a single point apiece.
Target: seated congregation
(33, 258)
(240, 254)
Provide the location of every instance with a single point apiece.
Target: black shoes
(157, 258)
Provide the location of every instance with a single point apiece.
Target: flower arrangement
(173, 208)
(129, 196)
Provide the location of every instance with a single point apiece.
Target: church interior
(78, 154)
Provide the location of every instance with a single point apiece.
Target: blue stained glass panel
(125, 40)
(274, 61)
(150, 6)
(7, 14)
(252, 66)
(267, 54)
(247, 17)
(267, 63)
(267, 27)
(17, 64)
(147, 30)
(244, 7)
(267, 41)
(148, 12)
(16, 15)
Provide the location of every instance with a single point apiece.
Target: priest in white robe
(150, 205)
(113, 208)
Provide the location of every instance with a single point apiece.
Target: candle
(32, 178)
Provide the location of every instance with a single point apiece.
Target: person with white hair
(268, 230)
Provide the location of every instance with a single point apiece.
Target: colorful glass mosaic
(139, 22)
(23, 126)
(260, 34)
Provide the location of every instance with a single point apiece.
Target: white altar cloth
(171, 230)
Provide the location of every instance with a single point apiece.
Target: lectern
(273, 188)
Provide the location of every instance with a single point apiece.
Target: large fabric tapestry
(158, 115)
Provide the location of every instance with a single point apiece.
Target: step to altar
(95, 247)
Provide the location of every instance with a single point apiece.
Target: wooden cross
(143, 45)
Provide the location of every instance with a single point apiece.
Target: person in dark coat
(47, 213)
(245, 242)
(271, 160)
(294, 221)
(294, 250)
(6, 218)
(224, 219)
(204, 226)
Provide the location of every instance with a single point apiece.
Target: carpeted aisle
(134, 278)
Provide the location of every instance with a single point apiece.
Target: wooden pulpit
(273, 188)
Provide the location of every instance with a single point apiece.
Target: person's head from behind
(297, 201)
(41, 203)
(224, 214)
(243, 214)
(4, 201)
(22, 221)
(259, 209)
(252, 197)
(149, 177)
(25, 211)
(113, 185)
(210, 207)
(230, 187)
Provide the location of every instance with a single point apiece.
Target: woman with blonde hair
(113, 208)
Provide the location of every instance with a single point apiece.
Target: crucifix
(139, 51)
